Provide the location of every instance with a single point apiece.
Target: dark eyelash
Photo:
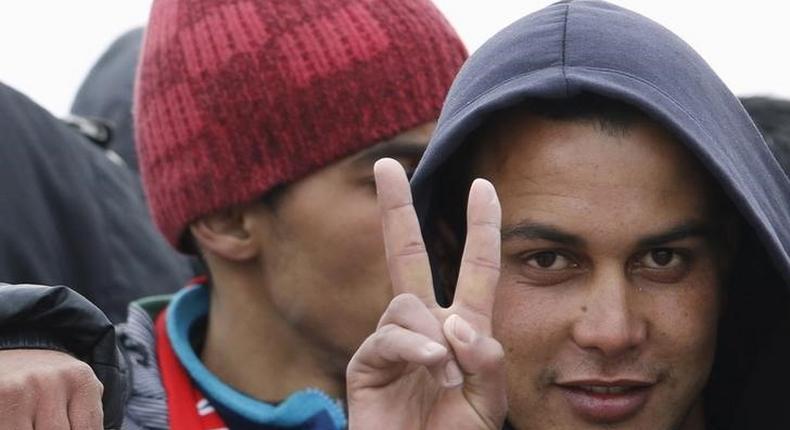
(572, 259)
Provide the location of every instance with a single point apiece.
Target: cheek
(345, 249)
(533, 324)
(331, 257)
(685, 321)
(338, 233)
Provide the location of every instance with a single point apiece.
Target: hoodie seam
(465, 107)
(564, 47)
(653, 86)
(474, 100)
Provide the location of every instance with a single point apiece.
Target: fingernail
(462, 330)
(452, 374)
(490, 191)
(433, 349)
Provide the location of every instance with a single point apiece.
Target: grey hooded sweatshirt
(595, 47)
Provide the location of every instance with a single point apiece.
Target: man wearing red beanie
(258, 123)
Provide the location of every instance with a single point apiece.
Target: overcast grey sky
(48, 46)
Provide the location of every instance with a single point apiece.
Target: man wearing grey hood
(640, 277)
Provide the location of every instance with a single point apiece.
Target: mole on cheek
(584, 308)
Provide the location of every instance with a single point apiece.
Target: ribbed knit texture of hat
(234, 97)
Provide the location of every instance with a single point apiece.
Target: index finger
(480, 264)
(407, 258)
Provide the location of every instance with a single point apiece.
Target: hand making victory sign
(429, 367)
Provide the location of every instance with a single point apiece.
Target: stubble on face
(610, 192)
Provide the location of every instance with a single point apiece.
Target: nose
(608, 323)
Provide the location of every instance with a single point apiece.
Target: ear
(227, 234)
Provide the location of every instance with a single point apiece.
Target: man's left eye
(661, 258)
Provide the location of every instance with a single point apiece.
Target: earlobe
(226, 234)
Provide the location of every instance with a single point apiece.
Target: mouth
(608, 402)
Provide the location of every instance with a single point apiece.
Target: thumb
(481, 359)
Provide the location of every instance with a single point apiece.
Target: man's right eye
(549, 260)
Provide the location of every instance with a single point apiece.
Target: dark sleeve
(70, 216)
(58, 318)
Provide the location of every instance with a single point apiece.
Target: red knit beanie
(237, 96)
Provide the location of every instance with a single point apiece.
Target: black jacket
(58, 318)
(70, 216)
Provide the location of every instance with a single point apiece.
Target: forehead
(575, 170)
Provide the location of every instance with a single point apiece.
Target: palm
(415, 372)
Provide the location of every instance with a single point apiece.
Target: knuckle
(410, 249)
(485, 263)
(98, 415)
(80, 378)
(79, 372)
(57, 424)
(404, 301)
(497, 352)
(92, 417)
(494, 354)
(487, 223)
(384, 340)
(400, 308)
(385, 331)
(13, 388)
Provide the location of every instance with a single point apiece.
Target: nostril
(610, 333)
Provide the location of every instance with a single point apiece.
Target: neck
(252, 348)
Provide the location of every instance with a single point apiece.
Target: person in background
(772, 117)
(106, 94)
(102, 111)
(71, 216)
(257, 125)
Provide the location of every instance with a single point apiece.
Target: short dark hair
(772, 117)
(609, 115)
(446, 228)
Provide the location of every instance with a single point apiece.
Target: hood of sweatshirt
(595, 47)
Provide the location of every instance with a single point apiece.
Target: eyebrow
(533, 230)
(394, 148)
(681, 231)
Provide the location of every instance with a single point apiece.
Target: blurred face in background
(325, 263)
